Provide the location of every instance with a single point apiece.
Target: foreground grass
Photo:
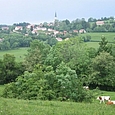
(30, 107)
(38, 107)
(18, 53)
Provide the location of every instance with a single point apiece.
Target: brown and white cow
(103, 98)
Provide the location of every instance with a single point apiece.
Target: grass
(38, 107)
(30, 107)
(97, 36)
(1, 89)
(92, 44)
(18, 53)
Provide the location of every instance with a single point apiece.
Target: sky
(37, 11)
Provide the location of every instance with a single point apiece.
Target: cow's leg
(100, 101)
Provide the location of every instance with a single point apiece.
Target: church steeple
(55, 16)
(55, 20)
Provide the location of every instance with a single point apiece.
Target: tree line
(14, 41)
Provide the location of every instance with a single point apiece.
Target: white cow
(103, 98)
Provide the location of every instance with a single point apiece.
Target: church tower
(55, 19)
(55, 16)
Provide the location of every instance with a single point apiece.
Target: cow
(113, 101)
(103, 98)
(110, 103)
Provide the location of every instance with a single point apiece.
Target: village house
(29, 26)
(59, 39)
(82, 31)
(100, 23)
(34, 31)
(76, 31)
(5, 28)
(18, 28)
(50, 30)
(41, 28)
(1, 39)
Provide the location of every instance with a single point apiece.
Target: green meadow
(38, 107)
(18, 53)
(97, 36)
(92, 44)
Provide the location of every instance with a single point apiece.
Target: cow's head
(99, 98)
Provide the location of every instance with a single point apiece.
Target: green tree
(104, 71)
(10, 69)
(66, 80)
(103, 46)
(72, 52)
(36, 54)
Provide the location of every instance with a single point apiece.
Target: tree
(103, 46)
(66, 80)
(46, 84)
(5, 45)
(72, 52)
(103, 75)
(10, 69)
(36, 54)
(51, 41)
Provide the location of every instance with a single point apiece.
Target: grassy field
(92, 44)
(38, 107)
(18, 53)
(97, 36)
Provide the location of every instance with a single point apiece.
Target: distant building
(76, 31)
(82, 31)
(5, 28)
(100, 23)
(18, 28)
(1, 39)
(55, 20)
(59, 39)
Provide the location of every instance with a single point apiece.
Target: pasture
(38, 107)
(18, 53)
(92, 44)
(97, 36)
(110, 37)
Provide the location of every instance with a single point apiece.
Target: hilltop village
(61, 30)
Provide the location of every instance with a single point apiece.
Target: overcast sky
(36, 11)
